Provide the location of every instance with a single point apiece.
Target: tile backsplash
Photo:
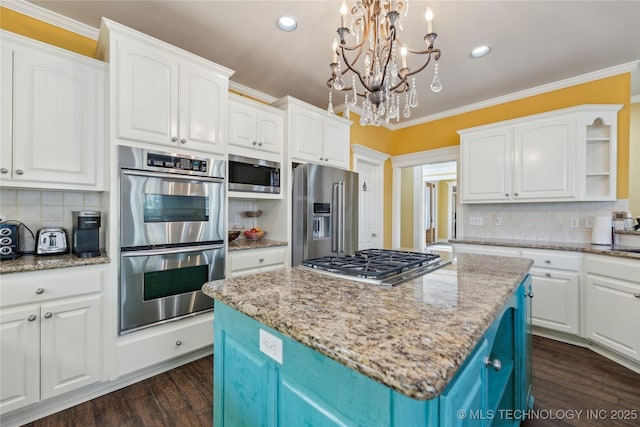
(536, 222)
(47, 208)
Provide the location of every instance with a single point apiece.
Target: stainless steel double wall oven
(171, 234)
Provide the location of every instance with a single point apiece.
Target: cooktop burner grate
(373, 263)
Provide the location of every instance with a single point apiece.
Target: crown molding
(52, 18)
(438, 155)
(252, 93)
(369, 154)
(628, 67)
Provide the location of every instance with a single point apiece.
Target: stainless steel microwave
(253, 175)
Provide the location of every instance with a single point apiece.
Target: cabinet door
(6, 107)
(336, 144)
(147, 94)
(242, 125)
(71, 336)
(269, 131)
(202, 108)
(556, 301)
(468, 394)
(613, 316)
(57, 119)
(486, 166)
(544, 159)
(19, 358)
(306, 138)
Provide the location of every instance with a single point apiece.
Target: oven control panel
(176, 163)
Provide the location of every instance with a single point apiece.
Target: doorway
(429, 212)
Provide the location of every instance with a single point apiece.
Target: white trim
(368, 154)
(635, 99)
(438, 155)
(561, 84)
(395, 209)
(52, 18)
(418, 210)
(255, 94)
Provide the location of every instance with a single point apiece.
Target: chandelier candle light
(375, 25)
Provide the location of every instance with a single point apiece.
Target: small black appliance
(9, 241)
(86, 233)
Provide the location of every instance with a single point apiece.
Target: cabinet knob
(495, 363)
(31, 318)
(40, 291)
(178, 343)
(530, 294)
(261, 259)
(321, 158)
(326, 159)
(506, 194)
(4, 170)
(260, 144)
(255, 143)
(19, 172)
(374, 235)
(174, 139)
(636, 295)
(183, 141)
(515, 194)
(548, 274)
(48, 315)
(547, 261)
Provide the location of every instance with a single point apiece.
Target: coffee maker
(86, 229)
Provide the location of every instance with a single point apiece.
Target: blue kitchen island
(295, 347)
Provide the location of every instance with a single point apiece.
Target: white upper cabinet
(564, 155)
(255, 130)
(163, 95)
(52, 117)
(315, 136)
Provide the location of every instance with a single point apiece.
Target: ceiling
(533, 42)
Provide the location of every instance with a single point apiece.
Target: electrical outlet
(498, 219)
(475, 220)
(271, 346)
(575, 222)
(588, 222)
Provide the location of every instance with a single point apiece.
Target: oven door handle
(171, 176)
(166, 251)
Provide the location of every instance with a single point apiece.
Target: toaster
(52, 241)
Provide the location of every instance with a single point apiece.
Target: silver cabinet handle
(495, 363)
(40, 291)
(547, 261)
(507, 194)
(174, 139)
(4, 170)
(255, 143)
(178, 343)
(321, 158)
(637, 295)
(548, 274)
(19, 172)
(48, 315)
(326, 159)
(260, 144)
(374, 235)
(515, 194)
(261, 259)
(183, 141)
(530, 294)
(31, 318)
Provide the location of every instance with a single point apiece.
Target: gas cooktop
(380, 266)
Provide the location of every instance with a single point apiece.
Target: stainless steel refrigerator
(325, 212)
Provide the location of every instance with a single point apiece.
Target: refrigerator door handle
(335, 217)
(342, 218)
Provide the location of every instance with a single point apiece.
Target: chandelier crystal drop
(378, 61)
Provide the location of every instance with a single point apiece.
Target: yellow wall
(406, 209)
(443, 209)
(634, 161)
(46, 33)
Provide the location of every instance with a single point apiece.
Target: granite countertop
(241, 244)
(562, 246)
(48, 262)
(412, 337)
(629, 232)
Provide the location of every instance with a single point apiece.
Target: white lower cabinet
(51, 334)
(555, 279)
(256, 260)
(613, 303)
(151, 346)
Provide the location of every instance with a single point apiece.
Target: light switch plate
(271, 346)
(575, 222)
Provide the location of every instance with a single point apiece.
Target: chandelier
(384, 75)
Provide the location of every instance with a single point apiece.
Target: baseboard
(51, 406)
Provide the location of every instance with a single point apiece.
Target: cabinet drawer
(552, 259)
(256, 258)
(39, 286)
(617, 268)
(161, 343)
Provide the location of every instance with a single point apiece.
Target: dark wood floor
(566, 379)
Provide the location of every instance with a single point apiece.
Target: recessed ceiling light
(480, 51)
(287, 23)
